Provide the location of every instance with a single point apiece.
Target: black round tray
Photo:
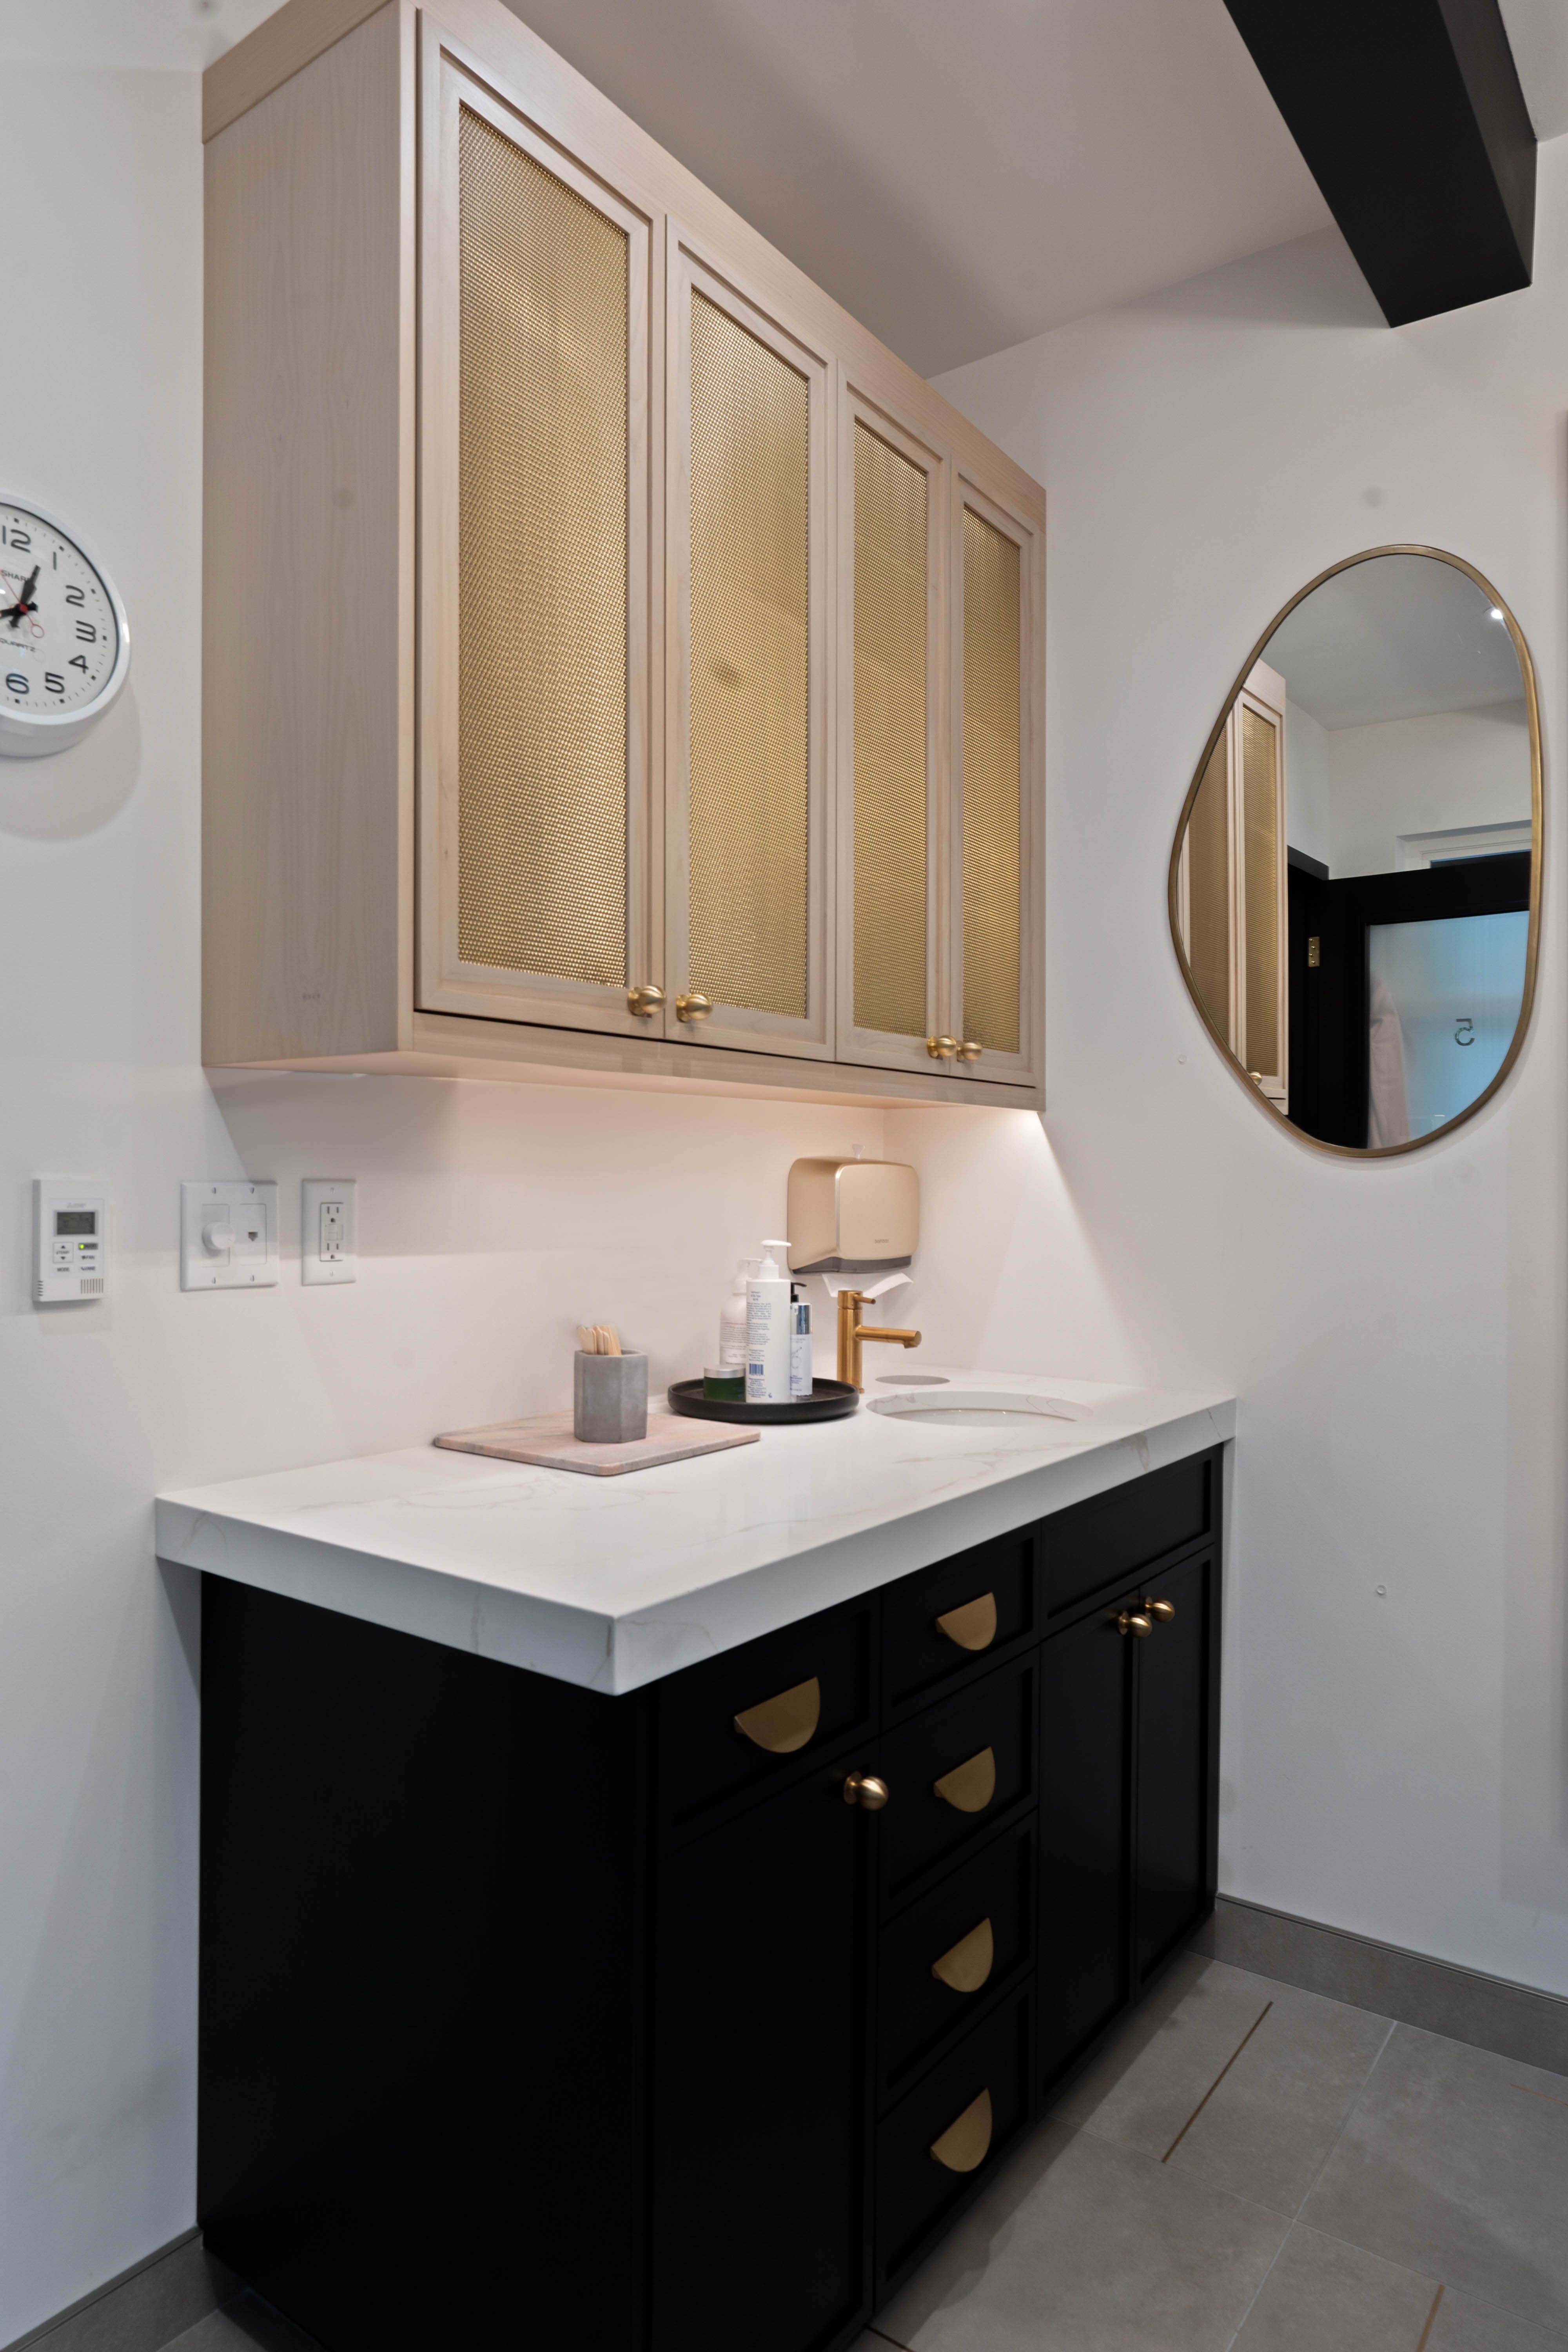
(828, 1400)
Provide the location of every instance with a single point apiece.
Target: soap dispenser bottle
(732, 1318)
(768, 1331)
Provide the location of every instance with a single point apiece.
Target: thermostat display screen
(76, 1221)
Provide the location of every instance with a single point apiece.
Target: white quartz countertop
(613, 1582)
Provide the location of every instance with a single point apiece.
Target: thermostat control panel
(70, 1238)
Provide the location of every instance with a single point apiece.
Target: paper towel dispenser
(852, 1216)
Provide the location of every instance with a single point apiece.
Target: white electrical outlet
(328, 1242)
(229, 1235)
(70, 1238)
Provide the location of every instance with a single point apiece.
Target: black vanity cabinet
(640, 2023)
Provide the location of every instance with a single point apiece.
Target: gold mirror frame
(1537, 832)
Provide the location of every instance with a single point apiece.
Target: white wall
(1422, 775)
(1308, 822)
(493, 1218)
(1393, 1765)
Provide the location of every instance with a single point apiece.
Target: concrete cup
(609, 1398)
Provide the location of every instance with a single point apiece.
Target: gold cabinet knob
(864, 1788)
(1133, 1621)
(969, 1051)
(1163, 1612)
(694, 1007)
(965, 2144)
(644, 1002)
(942, 1049)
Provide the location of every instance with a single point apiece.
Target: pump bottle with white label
(768, 1323)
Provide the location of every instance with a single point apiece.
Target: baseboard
(1488, 2011)
(156, 2299)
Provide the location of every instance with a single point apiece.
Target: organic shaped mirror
(1355, 886)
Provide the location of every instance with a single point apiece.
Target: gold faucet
(852, 1335)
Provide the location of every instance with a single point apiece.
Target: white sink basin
(950, 1406)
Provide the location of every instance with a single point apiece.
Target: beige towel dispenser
(852, 1216)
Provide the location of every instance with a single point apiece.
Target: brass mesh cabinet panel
(1209, 889)
(545, 310)
(750, 713)
(1260, 888)
(891, 539)
(992, 782)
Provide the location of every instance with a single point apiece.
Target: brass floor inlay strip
(1218, 2079)
(1532, 2092)
(1431, 2315)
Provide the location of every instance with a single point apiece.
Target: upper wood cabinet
(618, 664)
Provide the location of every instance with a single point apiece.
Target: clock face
(59, 639)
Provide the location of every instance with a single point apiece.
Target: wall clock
(65, 643)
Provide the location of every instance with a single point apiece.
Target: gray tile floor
(1253, 2166)
(1245, 2165)
(247, 2325)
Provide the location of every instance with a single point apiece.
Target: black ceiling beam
(1410, 118)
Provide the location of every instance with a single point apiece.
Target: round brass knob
(694, 1007)
(1132, 1621)
(1163, 1611)
(644, 1002)
(969, 1051)
(864, 1788)
(942, 1049)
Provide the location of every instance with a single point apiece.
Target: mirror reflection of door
(1232, 889)
(1355, 886)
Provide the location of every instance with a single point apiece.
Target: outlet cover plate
(329, 1235)
(247, 1214)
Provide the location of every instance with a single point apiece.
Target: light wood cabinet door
(747, 688)
(995, 847)
(892, 893)
(537, 469)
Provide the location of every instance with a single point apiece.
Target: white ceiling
(1538, 36)
(960, 177)
(1402, 637)
(961, 174)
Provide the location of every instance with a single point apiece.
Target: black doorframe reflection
(1331, 996)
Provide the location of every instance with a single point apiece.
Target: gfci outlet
(229, 1235)
(328, 1239)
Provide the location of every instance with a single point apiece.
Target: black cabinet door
(761, 2104)
(1085, 1830)
(1176, 1749)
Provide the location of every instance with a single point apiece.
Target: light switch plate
(328, 1239)
(229, 1235)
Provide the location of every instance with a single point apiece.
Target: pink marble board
(546, 1440)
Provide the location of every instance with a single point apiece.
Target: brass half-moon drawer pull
(973, 1626)
(966, 2142)
(786, 1722)
(967, 1964)
(969, 1788)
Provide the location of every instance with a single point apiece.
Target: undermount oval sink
(954, 1407)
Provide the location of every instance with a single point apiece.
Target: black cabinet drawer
(749, 1720)
(955, 1771)
(968, 2111)
(949, 1618)
(1111, 1538)
(949, 1956)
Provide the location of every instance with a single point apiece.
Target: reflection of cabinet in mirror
(1231, 884)
(601, 674)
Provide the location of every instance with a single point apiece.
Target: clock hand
(13, 613)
